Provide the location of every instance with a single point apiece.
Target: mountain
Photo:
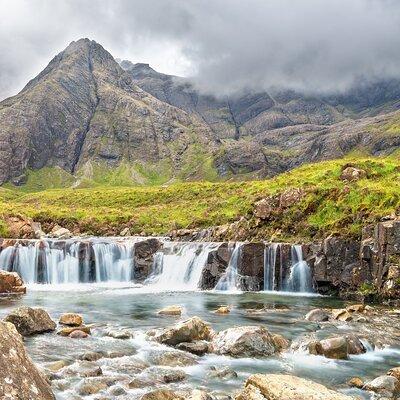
(99, 121)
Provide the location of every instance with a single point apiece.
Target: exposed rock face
(144, 257)
(10, 282)
(190, 330)
(286, 387)
(352, 174)
(215, 267)
(245, 341)
(29, 321)
(19, 378)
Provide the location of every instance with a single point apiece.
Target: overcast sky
(227, 45)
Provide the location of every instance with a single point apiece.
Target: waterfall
(269, 266)
(300, 279)
(278, 276)
(228, 281)
(179, 266)
(114, 261)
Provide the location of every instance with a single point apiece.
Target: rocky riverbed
(248, 349)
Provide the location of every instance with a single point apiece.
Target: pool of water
(135, 309)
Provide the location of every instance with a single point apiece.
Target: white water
(179, 266)
(299, 279)
(228, 281)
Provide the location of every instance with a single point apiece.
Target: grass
(329, 206)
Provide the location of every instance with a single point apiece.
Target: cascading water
(228, 281)
(278, 276)
(300, 279)
(179, 266)
(269, 266)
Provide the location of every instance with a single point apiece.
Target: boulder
(354, 345)
(355, 308)
(171, 310)
(352, 174)
(265, 208)
(172, 358)
(190, 330)
(119, 334)
(335, 348)
(199, 347)
(10, 282)
(19, 378)
(356, 382)
(66, 331)
(286, 387)
(245, 341)
(71, 319)
(90, 386)
(29, 321)
(385, 385)
(317, 315)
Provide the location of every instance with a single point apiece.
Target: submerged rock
(223, 310)
(84, 369)
(11, 282)
(317, 315)
(245, 341)
(91, 386)
(119, 334)
(19, 378)
(286, 387)
(225, 373)
(175, 358)
(356, 382)
(78, 334)
(171, 310)
(29, 321)
(71, 319)
(190, 330)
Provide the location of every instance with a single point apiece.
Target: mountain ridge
(91, 116)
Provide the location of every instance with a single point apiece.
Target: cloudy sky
(226, 45)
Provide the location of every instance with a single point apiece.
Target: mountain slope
(83, 107)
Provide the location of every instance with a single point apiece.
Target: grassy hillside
(329, 206)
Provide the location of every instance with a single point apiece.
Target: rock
(223, 310)
(352, 174)
(56, 366)
(91, 386)
(117, 391)
(317, 315)
(395, 372)
(125, 232)
(354, 345)
(355, 308)
(161, 394)
(121, 334)
(245, 341)
(144, 257)
(60, 233)
(92, 356)
(341, 315)
(78, 334)
(190, 330)
(19, 378)
(30, 321)
(280, 342)
(71, 319)
(356, 382)
(10, 282)
(84, 369)
(286, 387)
(171, 310)
(68, 330)
(265, 208)
(335, 348)
(384, 385)
(200, 395)
(199, 347)
(174, 358)
(225, 373)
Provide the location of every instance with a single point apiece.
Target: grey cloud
(227, 45)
